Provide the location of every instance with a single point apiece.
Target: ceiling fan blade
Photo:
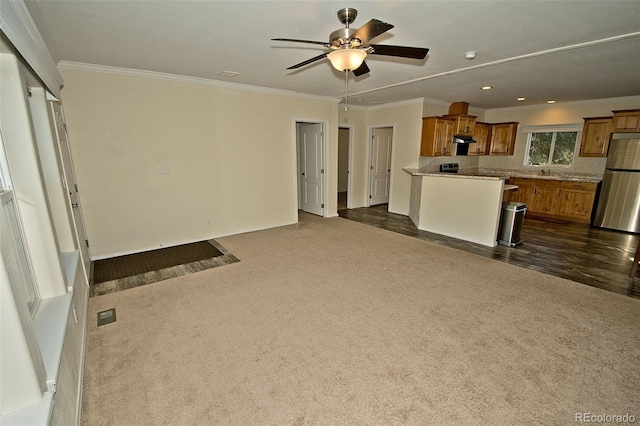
(361, 70)
(371, 29)
(401, 51)
(307, 62)
(322, 43)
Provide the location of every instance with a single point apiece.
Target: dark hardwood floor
(578, 252)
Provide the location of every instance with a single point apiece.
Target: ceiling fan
(350, 46)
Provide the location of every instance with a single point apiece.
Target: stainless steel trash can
(511, 221)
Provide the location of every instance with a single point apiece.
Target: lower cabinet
(576, 200)
(566, 200)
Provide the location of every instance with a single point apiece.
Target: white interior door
(311, 144)
(380, 165)
(71, 185)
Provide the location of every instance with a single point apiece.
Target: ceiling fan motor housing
(339, 38)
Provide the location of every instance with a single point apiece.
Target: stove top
(449, 168)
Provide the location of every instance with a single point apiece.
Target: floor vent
(106, 317)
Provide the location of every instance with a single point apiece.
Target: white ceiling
(561, 50)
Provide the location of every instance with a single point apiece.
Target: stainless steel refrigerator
(619, 200)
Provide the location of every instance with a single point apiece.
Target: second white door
(380, 165)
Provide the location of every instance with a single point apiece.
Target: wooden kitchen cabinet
(481, 134)
(539, 195)
(437, 136)
(545, 196)
(524, 192)
(556, 199)
(464, 124)
(576, 200)
(626, 121)
(595, 136)
(503, 138)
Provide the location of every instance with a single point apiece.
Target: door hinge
(371, 167)
(321, 170)
(322, 206)
(64, 126)
(87, 242)
(370, 196)
(76, 186)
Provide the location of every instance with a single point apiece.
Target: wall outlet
(208, 222)
(164, 170)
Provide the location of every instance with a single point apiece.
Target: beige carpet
(331, 322)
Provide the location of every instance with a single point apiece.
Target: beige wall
(231, 157)
(566, 113)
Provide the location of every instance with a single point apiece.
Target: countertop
(418, 172)
(505, 174)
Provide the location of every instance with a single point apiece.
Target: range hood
(463, 139)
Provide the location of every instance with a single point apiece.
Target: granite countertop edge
(504, 175)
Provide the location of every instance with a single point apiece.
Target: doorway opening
(311, 170)
(344, 167)
(380, 165)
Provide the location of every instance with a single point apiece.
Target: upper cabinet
(626, 121)
(464, 124)
(503, 138)
(595, 137)
(481, 134)
(437, 136)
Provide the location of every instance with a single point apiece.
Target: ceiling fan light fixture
(347, 59)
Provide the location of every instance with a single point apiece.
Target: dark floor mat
(140, 263)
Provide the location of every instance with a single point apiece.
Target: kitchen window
(551, 147)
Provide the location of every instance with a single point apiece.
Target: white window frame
(6, 192)
(529, 130)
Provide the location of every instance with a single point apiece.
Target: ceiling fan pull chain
(346, 91)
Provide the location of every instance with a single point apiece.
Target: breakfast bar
(461, 206)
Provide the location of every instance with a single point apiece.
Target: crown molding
(176, 78)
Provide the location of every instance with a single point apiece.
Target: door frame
(324, 162)
(370, 162)
(350, 164)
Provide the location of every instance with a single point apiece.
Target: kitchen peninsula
(461, 206)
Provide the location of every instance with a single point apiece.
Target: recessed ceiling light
(520, 99)
(470, 55)
(487, 87)
(551, 102)
(229, 74)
